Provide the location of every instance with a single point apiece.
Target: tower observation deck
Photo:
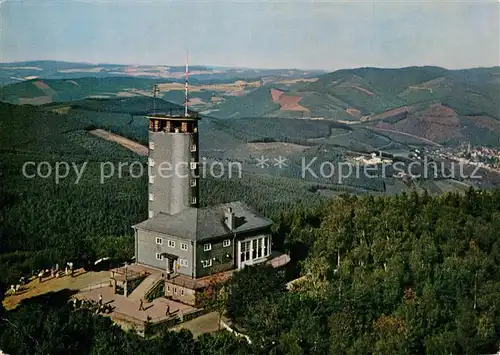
(173, 161)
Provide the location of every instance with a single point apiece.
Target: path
(207, 323)
(404, 134)
(341, 135)
(125, 142)
(330, 137)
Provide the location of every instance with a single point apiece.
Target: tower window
(193, 183)
(151, 145)
(151, 197)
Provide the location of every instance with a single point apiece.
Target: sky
(326, 35)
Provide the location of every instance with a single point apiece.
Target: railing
(95, 286)
(129, 319)
(127, 273)
(176, 112)
(156, 291)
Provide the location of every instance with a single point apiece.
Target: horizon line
(249, 67)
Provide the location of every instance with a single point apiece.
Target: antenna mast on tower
(186, 88)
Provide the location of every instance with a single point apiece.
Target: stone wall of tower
(173, 168)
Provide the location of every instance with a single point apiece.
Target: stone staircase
(140, 291)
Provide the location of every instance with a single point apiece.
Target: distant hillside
(415, 100)
(47, 69)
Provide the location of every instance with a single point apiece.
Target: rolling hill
(47, 69)
(430, 103)
(445, 106)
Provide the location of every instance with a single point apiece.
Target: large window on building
(151, 197)
(159, 256)
(245, 251)
(184, 246)
(183, 262)
(171, 244)
(207, 247)
(226, 243)
(159, 241)
(254, 249)
(259, 248)
(151, 145)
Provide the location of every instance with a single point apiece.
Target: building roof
(205, 223)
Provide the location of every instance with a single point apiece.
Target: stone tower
(173, 162)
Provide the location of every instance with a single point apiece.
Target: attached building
(200, 242)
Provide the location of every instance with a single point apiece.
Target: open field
(80, 280)
(125, 142)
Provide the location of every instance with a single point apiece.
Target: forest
(406, 274)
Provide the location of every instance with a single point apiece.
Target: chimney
(229, 218)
